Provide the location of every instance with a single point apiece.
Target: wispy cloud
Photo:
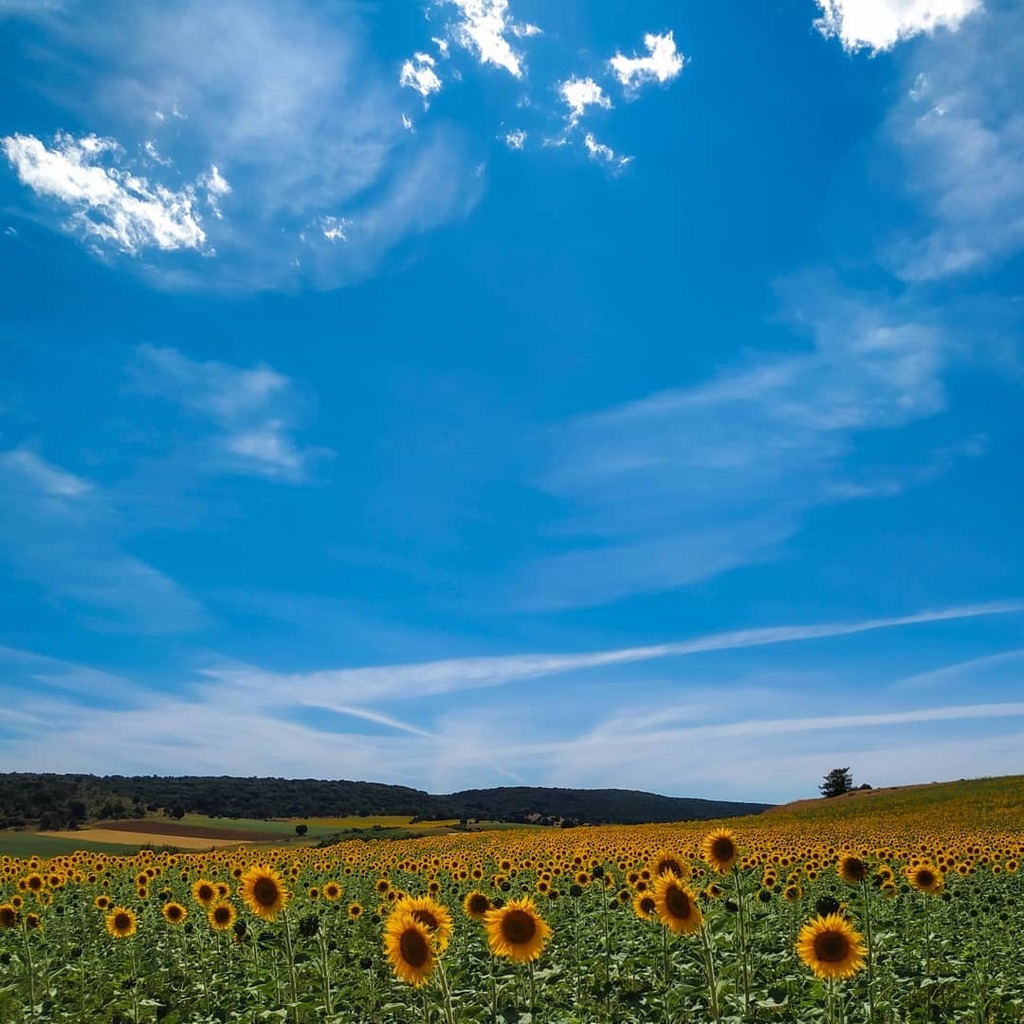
(687, 483)
(971, 669)
(289, 106)
(662, 63)
(402, 682)
(959, 134)
(60, 531)
(578, 94)
(418, 73)
(253, 410)
(880, 24)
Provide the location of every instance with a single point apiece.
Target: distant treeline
(52, 801)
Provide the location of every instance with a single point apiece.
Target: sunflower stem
(31, 971)
(533, 995)
(135, 982)
(325, 973)
(865, 895)
(709, 970)
(742, 922)
(293, 991)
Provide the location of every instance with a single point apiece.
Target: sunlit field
(889, 907)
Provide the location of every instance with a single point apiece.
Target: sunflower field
(884, 910)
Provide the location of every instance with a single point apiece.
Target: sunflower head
(221, 916)
(431, 914)
(667, 862)
(204, 892)
(9, 916)
(476, 904)
(719, 849)
(174, 913)
(852, 869)
(263, 892)
(926, 879)
(516, 931)
(831, 947)
(644, 906)
(121, 923)
(676, 906)
(332, 891)
(409, 949)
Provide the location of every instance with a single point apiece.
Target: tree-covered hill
(62, 801)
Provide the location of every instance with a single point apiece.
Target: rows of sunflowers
(877, 922)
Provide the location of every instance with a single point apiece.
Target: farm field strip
(909, 914)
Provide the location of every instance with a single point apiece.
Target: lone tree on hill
(837, 782)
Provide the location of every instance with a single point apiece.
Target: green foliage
(837, 782)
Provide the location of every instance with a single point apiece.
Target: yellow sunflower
(719, 850)
(926, 879)
(204, 892)
(263, 892)
(332, 891)
(221, 916)
(174, 913)
(665, 862)
(476, 904)
(644, 907)
(676, 906)
(121, 923)
(517, 931)
(852, 869)
(831, 947)
(9, 916)
(409, 949)
(431, 914)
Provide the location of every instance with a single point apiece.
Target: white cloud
(294, 111)
(881, 24)
(51, 481)
(687, 483)
(334, 228)
(526, 31)
(217, 187)
(108, 203)
(419, 74)
(605, 154)
(662, 63)
(580, 93)
(481, 29)
(425, 679)
(515, 139)
(958, 133)
(252, 410)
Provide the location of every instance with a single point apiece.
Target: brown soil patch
(122, 835)
(142, 826)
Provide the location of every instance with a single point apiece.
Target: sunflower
(851, 869)
(263, 892)
(174, 913)
(644, 906)
(476, 904)
(204, 892)
(719, 850)
(434, 917)
(676, 906)
(517, 931)
(101, 902)
(409, 949)
(355, 910)
(221, 916)
(831, 947)
(665, 862)
(332, 891)
(121, 923)
(9, 916)
(925, 878)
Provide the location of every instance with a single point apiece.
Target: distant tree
(837, 782)
(178, 812)
(301, 830)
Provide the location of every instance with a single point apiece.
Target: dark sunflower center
(647, 905)
(205, 893)
(264, 892)
(414, 948)
(831, 947)
(670, 864)
(479, 904)
(856, 869)
(425, 917)
(122, 922)
(222, 915)
(723, 849)
(518, 927)
(8, 917)
(35, 883)
(678, 903)
(925, 878)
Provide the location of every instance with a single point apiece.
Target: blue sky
(471, 393)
